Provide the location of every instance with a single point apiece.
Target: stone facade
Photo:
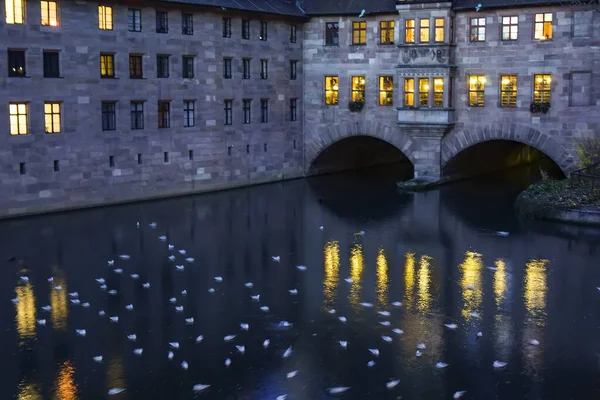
(84, 165)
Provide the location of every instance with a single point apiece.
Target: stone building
(116, 101)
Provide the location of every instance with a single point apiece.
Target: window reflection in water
(409, 280)
(423, 284)
(357, 264)
(25, 316)
(382, 280)
(470, 283)
(503, 325)
(59, 301)
(332, 271)
(28, 391)
(499, 282)
(534, 293)
(65, 382)
(115, 373)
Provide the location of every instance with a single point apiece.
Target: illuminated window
(164, 114)
(359, 32)
(424, 30)
(331, 89)
(541, 88)
(409, 92)
(386, 32)
(358, 88)
(510, 28)
(424, 92)
(439, 30)
(16, 63)
(543, 26)
(476, 90)
(107, 65)
(18, 118)
(49, 13)
(105, 18)
(188, 113)
(438, 92)
(332, 33)
(386, 90)
(409, 31)
(52, 117)
(477, 30)
(508, 91)
(15, 11)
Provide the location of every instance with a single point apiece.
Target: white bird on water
(332, 311)
(218, 279)
(132, 337)
(276, 258)
(293, 292)
(174, 345)
(200, 387)
(479, 334)
(502, 233)
(349, 280)
(255, 298)
(337, 389)
(266, 343)
(384, 313)
(189, 321)
(499, 364)
(371, 364)
(16, 300)
(190, 259)
(118, 270)
(138, 352)
(249, 285)
(76, 301)
(241, 349)
(112, 292)
(58, 287)
(182, 252)
(111, 263)
(51, 279)
(115, 391)
(152, 224)
(179, 267)
(287, 352)
(385, 323)
(146, 285)
(441, 365)
(80, 332)
(418, 353)
(229, 338)
(184, 292)
(343, 344)
(534, 342)
(101, 313)
(101, 280)
(199, 338)
(171, 247)
(264, 309)
(292, 374)
(103, 287)
(134, 276)
(124, 257)
(41, 322)
(421, 346)
(397, 304)
(47, 308)
(451, 326)
(162, 238)
(459, 394)
(184, 365)
(97, 359)
(281, 397)
(114, 319)
(227, 362)
(375, 352)
(172, 300)
(398, 331)
(387, 339)
(321, 227)
(211, 290)
(343, 320)
(284, 324)
(129, 307)
(392, 384)
(170, 355)
(171, 258)
(179, 308)
(74, 295)
(244, 326)
(301, 267)
(366, 305)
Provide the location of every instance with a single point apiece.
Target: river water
(520, 293)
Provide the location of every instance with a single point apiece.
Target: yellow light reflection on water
(383, 281)
(470, 283)
(28, 391)
(499, 282)
(65, 382)
(535, 289)
(409, 279)
(59, 301)
(25, 317)
(423, 284)
(115, 372)
(332, 270)
(357, 265)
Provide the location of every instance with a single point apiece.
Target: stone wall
(223, 156)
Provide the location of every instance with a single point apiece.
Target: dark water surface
(439, 253)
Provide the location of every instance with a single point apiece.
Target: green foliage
(539, 107)
(356, 106)
(588, 152)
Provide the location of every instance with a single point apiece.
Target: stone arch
(459, 140)
(319, 141)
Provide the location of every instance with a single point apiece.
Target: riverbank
(558, 200)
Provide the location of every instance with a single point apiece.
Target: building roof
(280, 7)
(467, 4)
(348, 7)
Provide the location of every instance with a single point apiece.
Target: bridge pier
(426, 147)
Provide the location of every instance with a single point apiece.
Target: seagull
(170, 355)
(503, 234)
(211, 290)
(124, 257)
(492, 268)
(441, 365)
(421, 346)
(244, 326)
(241, 349)
(343, 344)
(301, 267)
(199, 338)
(179, 308)
(134, 276)
(111, 263)
(397, 304)
(349, 280)
(80, 332)
(384, 313)
(321, 227)
(182, 252)
(103, 287)
(200, 387)
(114, 319)
(337, 389)
(478, 7)
(450, 326)
(276, 258)
(114, 391)
(152, 225)
(470, 287)
(41, 322)
(266, 343)
(361, 233)
(101, 280)
(101, 313)
(85, 305)
(375, 352)
(229, 338)
(46, 308)
(146, 285)
(162, 238)
(343, 320)
(74, 295)
(479, 334)
(51, 279)
(385, 323)
(172, 300)
(366, 305)
(218, 279)
(387, 339)
(287, 352)
(171, 247)
(534, 342)
(98, 359)
(332, 311)
(58, 287)
(184, 365)
(459, 394)
(190, 259)
(132, 337)
(249, 285)
(118, 270)
(264, 309)
(474, 315)
(418, 353)
(129, 307)
(283, 396)
(499, 364)
(184, 292)
(392, 384)
(292, 374)
(398, 331)
(171, 258)
(138, 352)
(189, 321)
(227, 362)
(179, 267)
(75, 301)
(371, 364)
(255, 298)
(362, 13)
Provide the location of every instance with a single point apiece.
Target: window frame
(509, 92)
(264, 68)
(332, 33)
(109, 116)
(293, 109)
(136, 66)
(510, 25)
(103, 20)
(264, 31)
(293, 70)
(264, 111)
(246, 29)
(544, 89)
(228, 108)
(388, 27)
(108, 60)
(358, 88)
(476, 86)
(188, 70)
(409, 92)
(331, 81)
(187, 23)
(11, 17)
(161, 18)
(247, 111)
(293, 33)
(439, 28)
(49, 16)
(53, 115)
(543, 26)
(246, 71)
(164, 114)
(359, 33)
(48, 65)
(136, 109)
(424, 93)
(16, 58)
(162, 66)
(189, 113)
(438, 96)
(477, 28)
(227, 68)
(20, 116)
(226, 27)
(134, 20)
(410, 31)
(387, 93)
(424, 29)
